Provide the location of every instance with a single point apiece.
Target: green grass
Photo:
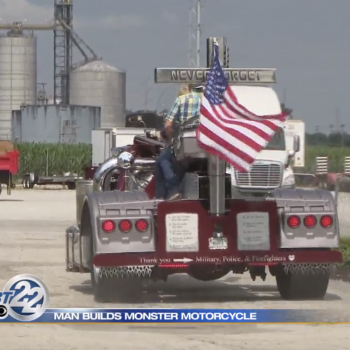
(345, 249)
(335, 155)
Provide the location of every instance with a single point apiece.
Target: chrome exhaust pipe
(72, 248)
(113, 164)
(103, 170)
(144, 164)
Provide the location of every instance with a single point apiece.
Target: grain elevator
(87, 95)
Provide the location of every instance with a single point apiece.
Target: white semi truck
(273, 167)
(104, 140)
(296, 128)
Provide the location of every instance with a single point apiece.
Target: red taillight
(293, 221)
(141, 225)
(310, 221)
(326, 221)
(108, 226)
(125, 226)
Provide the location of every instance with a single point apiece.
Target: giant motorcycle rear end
(124, 234)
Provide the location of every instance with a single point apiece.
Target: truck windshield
(277, 142)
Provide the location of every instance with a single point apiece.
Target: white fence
(342, 190)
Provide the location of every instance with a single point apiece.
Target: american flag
(229, 130)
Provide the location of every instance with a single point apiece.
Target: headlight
(289, 181)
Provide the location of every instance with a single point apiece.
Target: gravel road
(32, 225)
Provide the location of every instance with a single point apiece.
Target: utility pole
(198, 33)
(284, 96)
(147, 89)
(317, 132)
(337, 120)
(342, 130)
(194, 35)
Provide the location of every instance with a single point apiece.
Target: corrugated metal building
(55, 124)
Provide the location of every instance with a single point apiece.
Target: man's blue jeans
(167, 182)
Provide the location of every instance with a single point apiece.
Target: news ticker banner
(170, 316)
(25, 298)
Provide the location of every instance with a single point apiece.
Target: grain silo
(18, 75)
(99, 84)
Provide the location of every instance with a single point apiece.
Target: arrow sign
(184, 260)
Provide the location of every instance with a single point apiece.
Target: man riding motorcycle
(184, 107)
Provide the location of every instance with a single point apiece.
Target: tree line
(337, 139)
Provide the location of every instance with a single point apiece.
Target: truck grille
(268, 175)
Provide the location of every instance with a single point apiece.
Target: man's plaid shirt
(184, 107)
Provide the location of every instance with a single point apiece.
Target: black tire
(9, 184)
(30, 184)
(103, 287)
(331, 187)
(302, 286)
(71, 185)
(111, 289)
(25, 182)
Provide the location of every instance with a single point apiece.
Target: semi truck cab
(273, 167)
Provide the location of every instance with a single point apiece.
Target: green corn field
(56, 159)
(49, 159)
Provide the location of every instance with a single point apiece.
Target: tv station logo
(24, 298)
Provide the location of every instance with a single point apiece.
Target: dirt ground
(32, 226)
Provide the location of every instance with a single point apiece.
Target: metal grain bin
(83, 188)
(99, 84)
(18, 76)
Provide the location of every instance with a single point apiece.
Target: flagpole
(216, 169)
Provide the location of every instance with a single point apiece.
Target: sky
(306, 40)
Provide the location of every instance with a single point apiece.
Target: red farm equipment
(9, 164)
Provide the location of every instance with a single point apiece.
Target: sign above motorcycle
(245, 76)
